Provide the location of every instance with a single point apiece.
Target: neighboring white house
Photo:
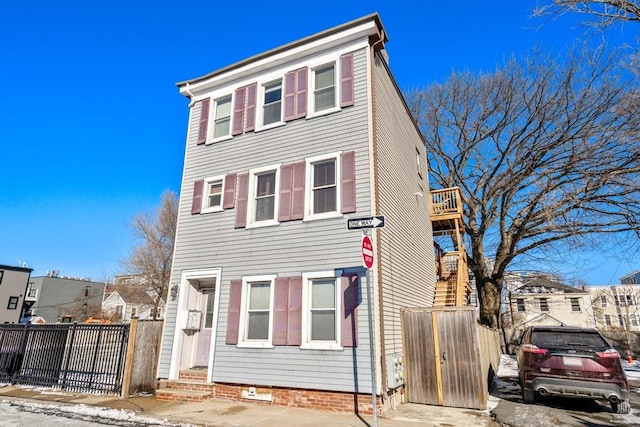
(616, 306)
(544, 301)
(123, 302)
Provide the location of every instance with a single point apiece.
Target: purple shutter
(251, 107)
(290, 96)
(238, 111)
(297, 196)
(346, 80)
(196, 203)
(233, 315)
(348, 181)
(301, 92)
(229, 200)
(243, 195)
(350, 285)
(294, 335)
(204, 121)
(286, 187)
(280, 311)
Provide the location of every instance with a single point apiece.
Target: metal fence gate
(73, 357)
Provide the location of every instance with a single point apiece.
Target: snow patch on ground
(118, 417)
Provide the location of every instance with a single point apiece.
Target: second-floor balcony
(32, 295)
(446, 208)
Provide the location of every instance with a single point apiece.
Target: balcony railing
(446, 201)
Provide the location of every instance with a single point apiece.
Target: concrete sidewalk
(223, 413)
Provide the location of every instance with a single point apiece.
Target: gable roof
(131, 294)
(543, 285)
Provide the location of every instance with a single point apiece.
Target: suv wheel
(528, 395)
(624, 407)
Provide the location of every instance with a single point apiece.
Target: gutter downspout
(190, 95)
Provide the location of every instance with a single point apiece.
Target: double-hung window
(213, 191)
(323, 189)
(272, 107)
(607, 320)
(321, 306)
(520, 303)
(603, 301)
(324, 87)
(575, 304)
(222, 117)
(257, 311)
(13, 303)
(544, 304)
(263, 196)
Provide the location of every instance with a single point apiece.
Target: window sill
(266, 223)
(249, 344)
(269, 126)
(209, 210)
(324, 215)
(321, 346)
(219, 139)
(323, 112)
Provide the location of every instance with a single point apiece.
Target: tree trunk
(489, 291)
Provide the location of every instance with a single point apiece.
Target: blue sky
(92, 127)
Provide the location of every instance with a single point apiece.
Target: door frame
(183, 306)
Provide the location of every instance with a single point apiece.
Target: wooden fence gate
(448, 357)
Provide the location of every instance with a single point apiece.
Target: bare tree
(150, 260)
(603, 12)
(545, 152)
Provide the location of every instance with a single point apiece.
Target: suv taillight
(608, 354)
(530, 348)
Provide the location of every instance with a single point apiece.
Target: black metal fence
(73, 357)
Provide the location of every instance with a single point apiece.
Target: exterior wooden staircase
(453, 287)
(191, 386)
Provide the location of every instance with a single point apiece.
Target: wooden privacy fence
(449, 358)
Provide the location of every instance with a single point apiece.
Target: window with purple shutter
(243, 197)
(229, 200)
(287, 311)
(295, 94)
(292, 184)
(204, 121)
(233, 315)
(350, 287)
(348, 182)
(346, 80)
(251, 107)
(239, 110)
(196, 203)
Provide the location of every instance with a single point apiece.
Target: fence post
(128, 361)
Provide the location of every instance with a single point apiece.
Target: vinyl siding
(288, 249)
(407, 266)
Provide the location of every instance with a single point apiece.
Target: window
(222, 117)
(134, 311)
(272, 103)
(630, 300)
(603, 301)
(575, 304)
(322, 178)
(257, 309)
(13, 303)
(607, 320)
(320, 306)
(634, 319)
(213, 194)
(208, 315)
(620, 319)
(544, 305)
(1, 275)
(520, 302)
(263, 202)
(324, 90)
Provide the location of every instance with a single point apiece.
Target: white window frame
(251, 204)
(205, 194)
(607, 320)
(311, 85)
(212, 117)
(603, 301)
(308, 193)
(518, 305)
(260, 125)
(244, 306)
(577, 307)
(306, 342)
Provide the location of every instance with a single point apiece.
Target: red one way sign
(367, 252)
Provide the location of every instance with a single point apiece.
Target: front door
(204, 336)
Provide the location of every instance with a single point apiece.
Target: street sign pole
(372, 347)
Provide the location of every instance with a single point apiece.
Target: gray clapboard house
(268, 295)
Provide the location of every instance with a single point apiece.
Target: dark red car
(571, 362)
